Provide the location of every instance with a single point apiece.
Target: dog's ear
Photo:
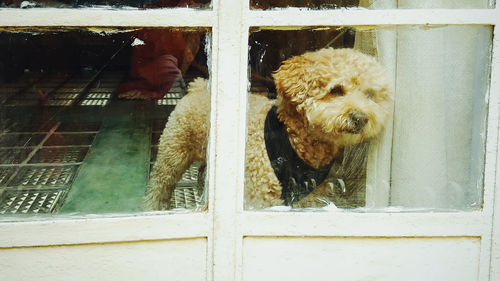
(293, 79)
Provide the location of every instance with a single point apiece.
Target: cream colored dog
(327, 100)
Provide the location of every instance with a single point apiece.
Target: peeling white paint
(137, 42)
(27, 4)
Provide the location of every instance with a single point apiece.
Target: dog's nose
(358, 119)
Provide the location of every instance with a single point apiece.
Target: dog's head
(341, 95)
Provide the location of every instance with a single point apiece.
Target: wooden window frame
(226, 224)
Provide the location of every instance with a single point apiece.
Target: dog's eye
(338, 90)
(370, 93)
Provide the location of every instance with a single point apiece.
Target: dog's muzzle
(357, 121)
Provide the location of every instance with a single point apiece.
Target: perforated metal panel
(15, 126)
(37, 169)
(39, 162)
(174, 94)
(94, 102)
(45, 176)
(171, 98)
(65, 139)
(14, 155)
(5, 174)
(36, 179)
(60, 155)
(190, 177)
(57, 102)
(106, 95)
(26, 201)
(185, 197)
(21, 140)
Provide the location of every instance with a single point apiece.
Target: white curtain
(439, 116)
(432, 154)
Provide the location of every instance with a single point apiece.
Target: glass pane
(371, 4)
(448, 4)
(311, 4)
(144, 4)
(367, 119)
(82, 113)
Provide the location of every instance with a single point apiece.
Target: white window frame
(225, 224)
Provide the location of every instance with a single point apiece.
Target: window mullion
(491, 245)
(229, 138)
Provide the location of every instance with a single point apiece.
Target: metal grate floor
(61, 89)
(37, 169)
(26, 201)
(60, 155)
(39, 162)
(186, 198)
(5, 174)
(44, 176)
(21, 140)
(171, 98)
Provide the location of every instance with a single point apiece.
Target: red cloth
(155, 64)
(155, 78)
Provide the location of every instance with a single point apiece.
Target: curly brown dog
(327, 100)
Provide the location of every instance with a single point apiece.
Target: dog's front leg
(179, 147)
(167, 171)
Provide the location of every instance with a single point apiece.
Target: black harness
(297, 179)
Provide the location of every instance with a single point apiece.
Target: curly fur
(328, 99)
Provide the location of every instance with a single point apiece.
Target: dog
(327, 100)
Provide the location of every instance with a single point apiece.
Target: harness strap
(297, 179)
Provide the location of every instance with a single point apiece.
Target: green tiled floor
(113, 176)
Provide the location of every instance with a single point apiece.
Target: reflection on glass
(449, 4)
(371, 4)
(146, 4)
(431, 153)
(82, 112)
(312, 4)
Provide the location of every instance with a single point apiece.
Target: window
(371, 4)
(425, 186)
(143, 4)
(75, 99)
(437, 166)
